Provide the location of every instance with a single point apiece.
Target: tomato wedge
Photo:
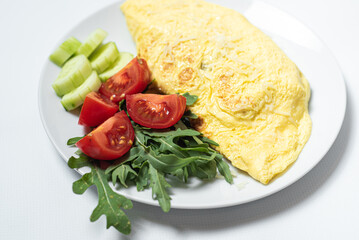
(133, 78)
(110, 140)
(155, 111)
(96, 109)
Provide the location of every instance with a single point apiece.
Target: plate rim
(341, 79)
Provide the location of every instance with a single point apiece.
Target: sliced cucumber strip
(72, 75)
(104, 57)
(92, 42)
(65, 51)
(120, 62)
(76, 97)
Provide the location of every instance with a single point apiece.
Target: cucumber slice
(92, 42)
(72, 75)
(120, 62)
(76, 97)
(104, 57)
(65, 51)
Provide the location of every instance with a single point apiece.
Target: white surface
(36, 197)
(302, 46)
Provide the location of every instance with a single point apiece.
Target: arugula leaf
(79, 162)
(139, 161)
(159, 187)
(185, 174)
(223, 168)
(207, 140)
(73, 141)
(190, 99)
(110, 203)
(123, 172)
(189, 114)
(142, 177)
(204, 171)
(168, 163)
(181, 174)
(177, 133)
(128, 157)
(169, 141)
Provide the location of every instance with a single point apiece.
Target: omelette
(252, 99)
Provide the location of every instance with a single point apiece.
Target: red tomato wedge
(110, 140)
(133, 78)
(96, 109)
(155, 111)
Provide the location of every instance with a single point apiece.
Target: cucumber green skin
(120, 62)
(72, 75)
(77, 97)
(104, 57)
(65, 51)
(92, 42)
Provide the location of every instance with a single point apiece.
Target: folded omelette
(253, 100)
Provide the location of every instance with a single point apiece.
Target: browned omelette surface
(253, 100)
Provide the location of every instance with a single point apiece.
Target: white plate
(327, 105)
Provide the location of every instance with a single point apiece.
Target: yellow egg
(253, 100)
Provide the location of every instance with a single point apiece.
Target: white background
(36, 199)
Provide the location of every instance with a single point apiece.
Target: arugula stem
(142, 144)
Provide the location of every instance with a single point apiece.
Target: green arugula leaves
(110, 202)
(159, 187)
(191, 99)
(155, 154)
